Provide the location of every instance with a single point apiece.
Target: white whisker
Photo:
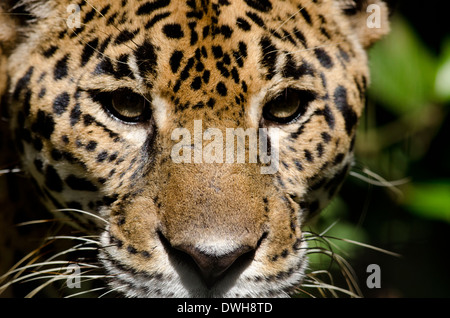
(112, 290)
(329, 228)
(75, 238)
(285, 21)
(378, 249)
(6, 171)
(40, 287)
(83, 212)
(73, 249)
(331, 287)
(85, 292)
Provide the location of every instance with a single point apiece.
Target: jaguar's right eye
(288, 106)
(124, 104)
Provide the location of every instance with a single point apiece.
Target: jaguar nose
(212, 265)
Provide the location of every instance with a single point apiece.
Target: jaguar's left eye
(124, 104)
(288, 106)
(128, 106)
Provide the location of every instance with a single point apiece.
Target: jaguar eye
(289, 106)
(124, 104)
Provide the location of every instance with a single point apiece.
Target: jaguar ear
(8, 27)
(16, 20)
(18, 15)
(369, 19)
(8, 37)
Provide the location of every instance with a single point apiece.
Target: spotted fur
(187, 229)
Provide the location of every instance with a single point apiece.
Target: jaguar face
(203, 133)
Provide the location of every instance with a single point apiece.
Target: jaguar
(93, 91)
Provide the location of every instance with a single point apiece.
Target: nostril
(261, 239)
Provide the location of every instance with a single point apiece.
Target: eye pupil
(289, 106)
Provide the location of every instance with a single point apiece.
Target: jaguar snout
(211, 261)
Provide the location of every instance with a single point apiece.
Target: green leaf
(442, 84)
(430, 200)
(402, 69)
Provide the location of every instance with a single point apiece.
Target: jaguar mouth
(179, 275)
(212, 269)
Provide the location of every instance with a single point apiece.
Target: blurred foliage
(415, 86)
(404, 82)
(398, 194)
(431, 200)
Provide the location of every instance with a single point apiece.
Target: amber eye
(128, 106)
(124, 104)
(288, 106)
